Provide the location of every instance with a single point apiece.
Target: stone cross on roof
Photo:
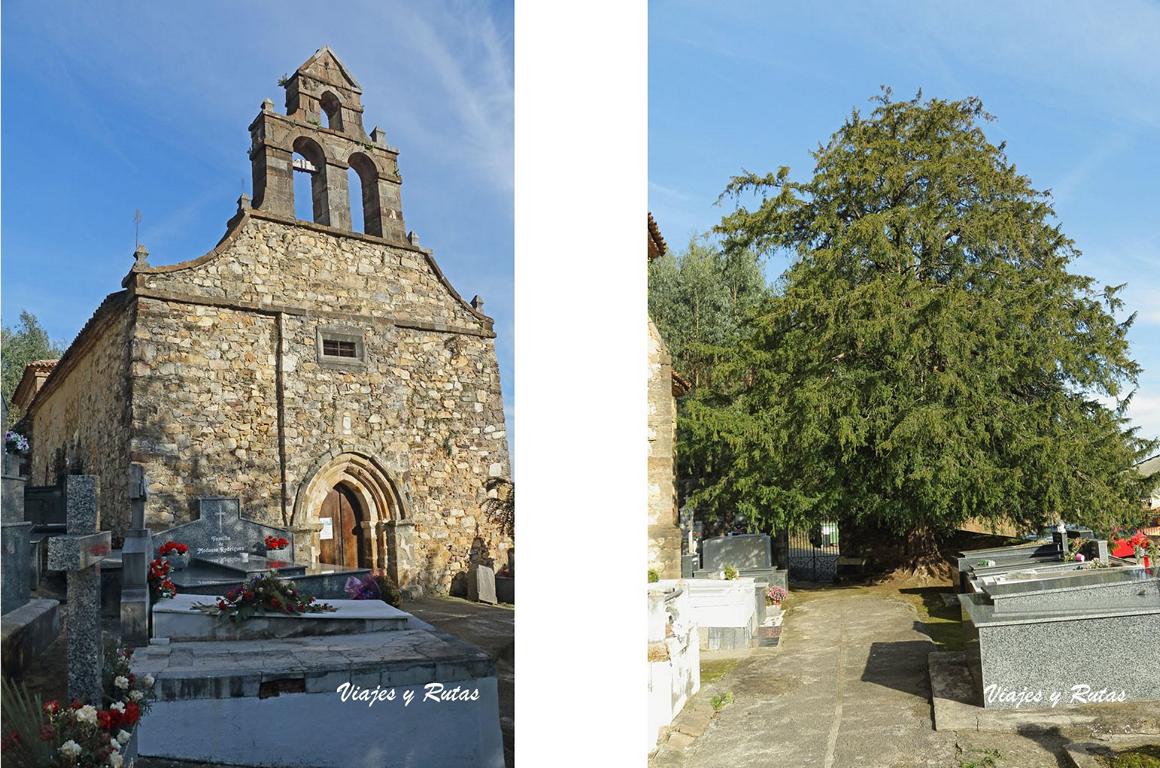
(80, 552)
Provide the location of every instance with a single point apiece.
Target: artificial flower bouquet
(276, 542)
(263, 594)
(160, 585)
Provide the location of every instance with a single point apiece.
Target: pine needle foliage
(927, 357)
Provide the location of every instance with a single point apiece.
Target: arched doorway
(343, 538)
(351, 512)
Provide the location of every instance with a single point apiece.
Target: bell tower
(322, 135)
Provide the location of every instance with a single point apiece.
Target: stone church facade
(332, 379)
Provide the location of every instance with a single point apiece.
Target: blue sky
(1075, 89)
(110, 107)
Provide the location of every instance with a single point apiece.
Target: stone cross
(135, 556)
(80, 552)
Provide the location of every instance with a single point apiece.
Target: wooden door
(339, 540)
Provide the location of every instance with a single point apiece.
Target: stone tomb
(226, 549)
(273, 695)
(674, 655)
(723, 610)
(1041, 642)
(177, 619)
(751, 554)
(221, 533)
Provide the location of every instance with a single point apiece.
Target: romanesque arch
(385, 519)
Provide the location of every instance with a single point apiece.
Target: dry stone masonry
(294, 360)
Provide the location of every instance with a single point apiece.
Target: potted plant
(16, 443)
(774, 595)
(176, 553)
(505, 584)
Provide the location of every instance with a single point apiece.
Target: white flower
(70, 748)
(119, 706)
(87, 714)
(136, 695)
(113, 745)
(124, 736)
(115, 760)
(147, 681)
(121, 681)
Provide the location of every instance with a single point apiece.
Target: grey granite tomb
(79, 552)
(136, 553)
(221, 533)
(15, 565)
(750, 553)
(1067, 639)
(751, 550)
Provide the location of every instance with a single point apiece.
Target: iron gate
(813, 552)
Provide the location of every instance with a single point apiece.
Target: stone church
(327, 375)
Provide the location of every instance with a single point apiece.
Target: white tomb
(289, 691)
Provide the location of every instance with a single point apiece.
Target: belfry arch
(383, 530)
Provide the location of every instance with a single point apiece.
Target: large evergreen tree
(928, 356)
(19, 346)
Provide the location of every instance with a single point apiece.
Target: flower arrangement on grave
(1139, 546)
(730, 573)
(172, 548)
(276, 542)
(775, 594)
(79, 735)
(16, 443)
(263, 594)
(160, 585)
(1075, 549)
(375, 585)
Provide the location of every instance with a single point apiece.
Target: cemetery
(294, 662)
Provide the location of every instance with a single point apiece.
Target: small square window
(341, 346)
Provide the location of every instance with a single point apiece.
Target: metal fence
(813, 553)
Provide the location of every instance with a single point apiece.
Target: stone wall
(83, 412)
(205, 409)
(664, 537)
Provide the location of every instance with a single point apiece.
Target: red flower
(76, 704)
(104, 719)
(132, 713)
(221, 605)
(275, 603)
(51, 706)
(1123, 548)
(47, 733)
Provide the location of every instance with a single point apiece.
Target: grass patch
(1141, 757)
(721, 700)
(941, 622)
(715, 669)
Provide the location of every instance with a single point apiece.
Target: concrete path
(490, 627)
(848, 686)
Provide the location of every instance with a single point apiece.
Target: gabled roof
(317, 64)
